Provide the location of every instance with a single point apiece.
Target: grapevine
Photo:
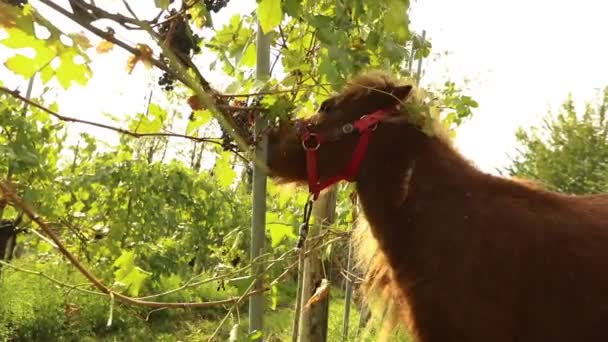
(215, 5)
(181, 39)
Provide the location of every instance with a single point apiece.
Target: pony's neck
(407, 174)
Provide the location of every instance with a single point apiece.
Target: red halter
(312, 141)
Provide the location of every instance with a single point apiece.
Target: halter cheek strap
(312, 141)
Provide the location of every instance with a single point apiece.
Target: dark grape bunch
(243, 119)
(215, 5)
(18, 3)
(166, 81)
(228, 143)
(181, 39)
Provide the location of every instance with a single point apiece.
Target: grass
(34, 309)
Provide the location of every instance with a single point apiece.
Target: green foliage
(69, 52)
(460, 105)
(569, 153)
(35, 309)
(128, 275)
(32, 309)
(270, 14)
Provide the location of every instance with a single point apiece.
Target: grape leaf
(396, 20)
(255, 335)
(249, 57)
(129, 275)
(162, 4)
(274, 295)
(292, 8)
(201, 117)
(22, 65)
(277, 230)
(270, 14)
(69, 71)
(223, 170)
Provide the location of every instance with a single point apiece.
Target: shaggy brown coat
(466, 255)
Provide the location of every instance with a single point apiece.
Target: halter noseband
(312, 141)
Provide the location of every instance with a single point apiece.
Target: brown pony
(462, 255)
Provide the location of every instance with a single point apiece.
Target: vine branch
(65, 118)
(31, 213)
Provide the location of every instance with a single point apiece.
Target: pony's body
(471, 256)
(481, 258)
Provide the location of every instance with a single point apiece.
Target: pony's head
(333, 133)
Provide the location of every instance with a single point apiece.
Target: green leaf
(46, 74)
(162, 4)
(22, 65)
(201, 117)
(69, 71)
(274, 295)
(255, 335)
(200, 15)
(249, 57)
(170, 281)
(223, 170)
(270, 14)
(293, 8)
(241, 283)
(327, 69)
(128, 274)
(396, 20)
(285, 195)
(151, 124)
(157, 112)
(278, 230)
(19, 39)
(373, 39)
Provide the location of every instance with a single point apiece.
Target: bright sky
(521, 57)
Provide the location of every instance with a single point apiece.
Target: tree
(569, 152)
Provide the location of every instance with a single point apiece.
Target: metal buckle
(366, 117)
(348, 128)
(307, 138)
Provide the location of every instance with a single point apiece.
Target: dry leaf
(81, 40)
(131, 63)
(71, 310)
(145, 56)
(320, 294)
(105, 46)
(194, 103)
(7, 16)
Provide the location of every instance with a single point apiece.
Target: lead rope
(304, 227)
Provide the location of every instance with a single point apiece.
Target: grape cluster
(228, 143)
(166, 81)
(215, 5)
(18, 3)
(182, 40)
(243, 119)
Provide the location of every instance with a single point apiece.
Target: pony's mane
(418, 108)
(375, 80)
(379, 290)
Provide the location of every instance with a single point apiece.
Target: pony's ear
(401, 92)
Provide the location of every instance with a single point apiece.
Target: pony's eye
(326, 105)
